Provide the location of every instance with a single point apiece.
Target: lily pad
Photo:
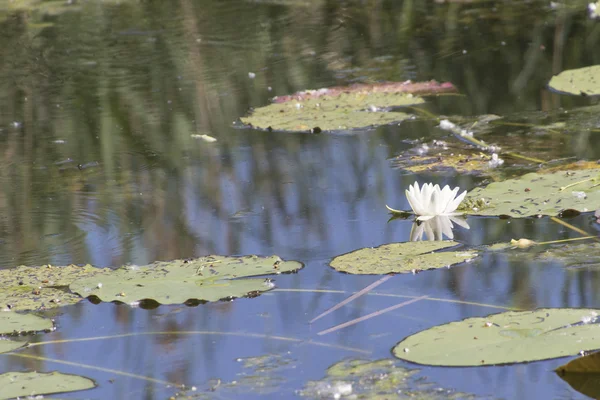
(14, 323)
(33, 288)
(581, 81)
(583, 374)
(419, 88)
(208, 278)
(7, 345)
(400, 258)
(509, 337)
(536, 194)
(342, 112)
(573, 256)
(25, 384)
(470, 163)
(375, 380)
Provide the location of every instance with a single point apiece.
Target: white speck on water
(251, 75)
(579, 195)
(59, 141)
(495, 161)
(15, 124)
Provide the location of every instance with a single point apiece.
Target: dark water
(98, 105)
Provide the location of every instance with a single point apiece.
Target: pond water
(100, 103)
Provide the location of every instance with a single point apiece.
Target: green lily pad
(536, 194)
(11, 323)
(208, 278)
(32, 288)
(400, 258)
(7, 345)
(344, 111)
(509, 337)
(581, 81)
(24, 384)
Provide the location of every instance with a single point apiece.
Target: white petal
(453, 205)
(451, 194)
(437, 206)
(414, 202)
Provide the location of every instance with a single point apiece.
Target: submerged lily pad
(573, 256)
(11, 323)
(509, 337)
(536, 194)
(208, 278)
(342, 112)
(25, 384)
(400, 258)
(378, 380)
(581, 81)
(32, 288)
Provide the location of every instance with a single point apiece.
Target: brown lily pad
(418, 88)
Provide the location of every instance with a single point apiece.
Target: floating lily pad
(375, 380)
(580, 81)
(208, 278)
(7, 345)
(32, 288)
(11, 322)
(420, 88)
(25, 384)
(536, 194)
(509, 337)
(400, 258)
(583, 374)
(342, 112)
(445, 162)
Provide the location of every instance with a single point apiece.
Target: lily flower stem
(516, 155)
(568, 240)
(574, 228)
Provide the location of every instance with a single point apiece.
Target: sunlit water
(98, 106)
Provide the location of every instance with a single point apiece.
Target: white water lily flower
(430, 201)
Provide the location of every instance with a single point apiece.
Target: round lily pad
(509, 337)
(404, 257)
(332, 113)
(33, 288)
(25, 384)
(208, 278)
(11, 322)
(580, 81)
(536, 194)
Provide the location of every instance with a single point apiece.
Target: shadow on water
(100, 103)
